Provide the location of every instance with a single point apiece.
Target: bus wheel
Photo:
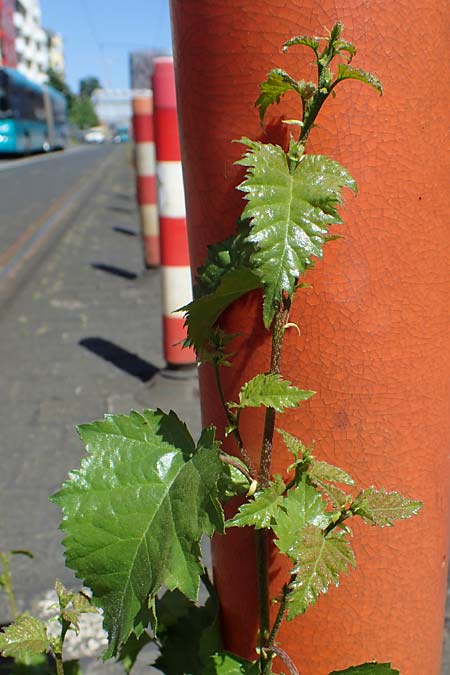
(46, 146)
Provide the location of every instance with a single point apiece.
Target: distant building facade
(113, 106)
(55, 48)
(31, 40)
(141, 67)
(7, 34)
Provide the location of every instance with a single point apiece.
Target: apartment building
(7, 34)
(31, 40)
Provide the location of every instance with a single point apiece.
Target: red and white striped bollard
(175, 263)
(146, 177)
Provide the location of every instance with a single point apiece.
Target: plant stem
(231, 421)
(7, 583)
(286, 660)
(280, 320)
(262, 561)
(311, 114)
(262, 564)
(278, 619)
(227, 459)
(58, 663)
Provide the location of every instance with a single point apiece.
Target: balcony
(20, 45)
(18, 20)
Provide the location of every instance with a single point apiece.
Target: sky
(99, 34)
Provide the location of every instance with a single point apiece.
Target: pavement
(80, 337)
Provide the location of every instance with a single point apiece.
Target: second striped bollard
(145, 177)
(175, 264)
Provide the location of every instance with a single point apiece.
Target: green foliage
(37, 664)
(178, 618)
(226, 663)
(55, 80)
(202, 314)
(322, 471)
(233, 480)
(291, 210)
(277, 84)
(368, 669)
(82, 113)
(71, 606)
(129, 651)
(25, 636)
(321, 559)
(222, 257)
(262, 510)
(302, 507)
(88, 85)
(381, 508)
(346, 72)
(135, 511)
(271, 391)
(305, 40)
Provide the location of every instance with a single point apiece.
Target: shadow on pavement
(121, 358)
(116, 271)
(124, 230)
(120, 209)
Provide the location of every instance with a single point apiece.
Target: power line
(99, 44)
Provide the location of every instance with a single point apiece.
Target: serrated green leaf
(345, 46)
(290, 213)
(222, 257)
(135, 511)
(226, 663)
(271, 391)
(262, 510)
(337, 498)
(347, 72)
(368, 669)
(78, 604)
(320, 471)
(232, 482)
(381, 508)
(306, 40)
(294, 445)
(189, 638)
(26, 636)
(129, 651)
(320, 561)
(64, 595)
(303, 506)
(202, 314)
(278, 82)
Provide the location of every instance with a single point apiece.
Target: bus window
(38, 106)
(5, 111)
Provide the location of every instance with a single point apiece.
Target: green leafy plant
(146, 493)
(28, 641)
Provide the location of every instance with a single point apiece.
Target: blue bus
(32, 117)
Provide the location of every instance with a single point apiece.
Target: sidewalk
(82, 338)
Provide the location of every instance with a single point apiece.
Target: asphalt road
(36, 194)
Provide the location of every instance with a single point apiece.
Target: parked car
(94, 136)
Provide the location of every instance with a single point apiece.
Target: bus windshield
(5, 110)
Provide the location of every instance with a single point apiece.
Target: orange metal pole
(375, 326)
